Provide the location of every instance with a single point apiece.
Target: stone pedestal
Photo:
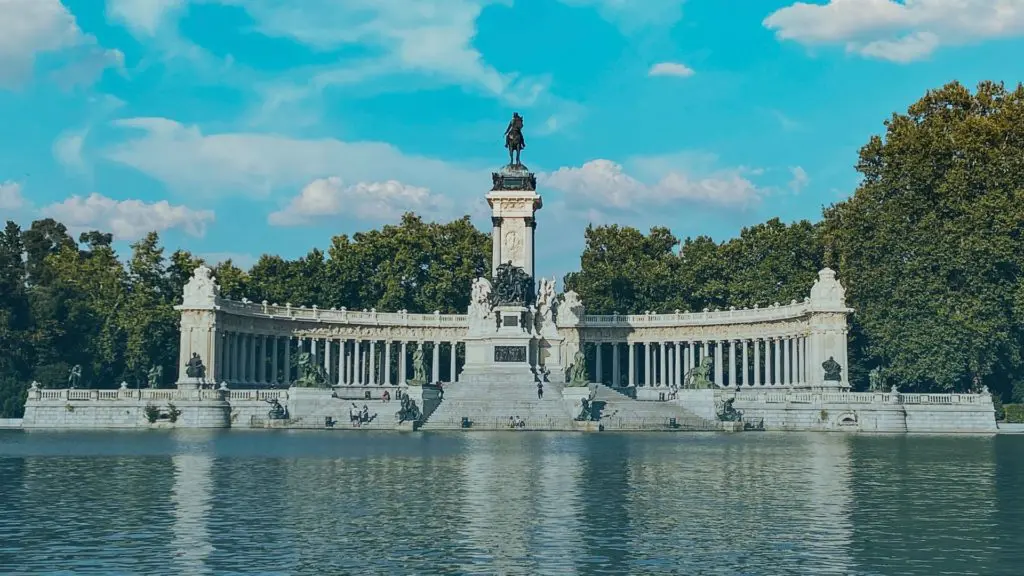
(514, 202)
(507, 352)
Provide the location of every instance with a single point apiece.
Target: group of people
(358, 416)
(516, 422)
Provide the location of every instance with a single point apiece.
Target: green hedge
(1014, 413)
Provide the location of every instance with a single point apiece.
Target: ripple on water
(316, 503)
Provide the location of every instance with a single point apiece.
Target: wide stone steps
(494, 414)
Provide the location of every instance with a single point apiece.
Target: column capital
(496, 220)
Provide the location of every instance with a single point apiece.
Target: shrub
(152, 413)
(172, 412)
(1014, 413)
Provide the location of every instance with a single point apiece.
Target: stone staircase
(489, 406)
(382, 416)
(621, 412)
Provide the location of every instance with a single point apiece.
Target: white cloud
(670, 69)
(799, 180)
(252, 164)
(142, 16)
(897, 31)
(127, 219)
(10, 197)
(432, 38)
(606, 184)
(632, 15)
(68, 150)
(32, 27)
(29, 27)
(331, 197)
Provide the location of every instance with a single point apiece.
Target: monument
(508, 322)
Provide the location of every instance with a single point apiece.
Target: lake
(291, 502)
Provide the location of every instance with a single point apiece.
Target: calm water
(521, 503)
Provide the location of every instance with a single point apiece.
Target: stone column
(776, 362)
(663, 364)
(732, 363)
(757, 361)
(689, 360)
(341, 362)
(387, 362)
(358, 356)
(598, 367)
(746, 363)
(435, 362)
(631, 346)
(273, 360)
(786, 375)
(719, 368)
(454, 357)
(797, 368)
(528, 248)
(646, 347)
(616, 377)
(495, 244)
(402, 360)
(328, 368)
(374, 373)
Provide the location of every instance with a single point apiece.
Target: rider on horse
(514, 140)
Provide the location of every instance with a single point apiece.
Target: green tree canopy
(930, 245)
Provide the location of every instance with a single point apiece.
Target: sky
(241, 127)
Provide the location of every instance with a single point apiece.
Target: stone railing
(342, 316)
(784, 397)
(707, 317)
(155, 395)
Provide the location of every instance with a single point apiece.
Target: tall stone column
(402, 363)
(719, 367)
(648, 352)
(341, 363)
(495, 244)
(454, 357)
(273, 360)
(616, 377)
(387, 362)
(787, 376)
(757, 361)
(776, 361)
(797, 372)
(663, 364)
(732, 363)
(598, 366)
(632, 350)
(359, 362)
(747, 364)
(374, 374)
(435, 362)
(328, 368)
(689, 359)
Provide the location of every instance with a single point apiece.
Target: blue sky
(236, 128)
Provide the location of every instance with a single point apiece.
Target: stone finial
(202, 289)
(124, 385)
(223, 386)
(827, 291)
(34, 385)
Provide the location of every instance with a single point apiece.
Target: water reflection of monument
(521, 518)
(192, 498)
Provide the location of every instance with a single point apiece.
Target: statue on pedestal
(195, 368)
(545, 303)
(512, 286)
(875, 379)
(154, 375)
(311, 375)
(514, 140)
(74, 376)
(699, 377)
(419, 367)
(577, 373)
(833, 371)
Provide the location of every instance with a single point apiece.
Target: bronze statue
(699, 377)
(154, 375)
(832, 370)
(74, 376)
(512, 286)
(311, 374)
(195, 368)
(514, 140)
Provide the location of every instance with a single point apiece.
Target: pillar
(719, 368)
(786, 376)
(631, 347)
(746, 363)
(387, 362)
(647, 347)
(495, 244)
(663, 364)
(797, 368)
(402, 360)
(732, 363)
(374, 378)
(454, 357)
(359, 362)
(776, 363)
(341, 362)
(435, 362)
(616, 377)
(757, 361)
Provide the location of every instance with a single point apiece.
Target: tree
(930, 245)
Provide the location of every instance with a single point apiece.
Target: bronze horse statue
(514, 140)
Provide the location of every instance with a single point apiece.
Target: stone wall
(866, 411)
